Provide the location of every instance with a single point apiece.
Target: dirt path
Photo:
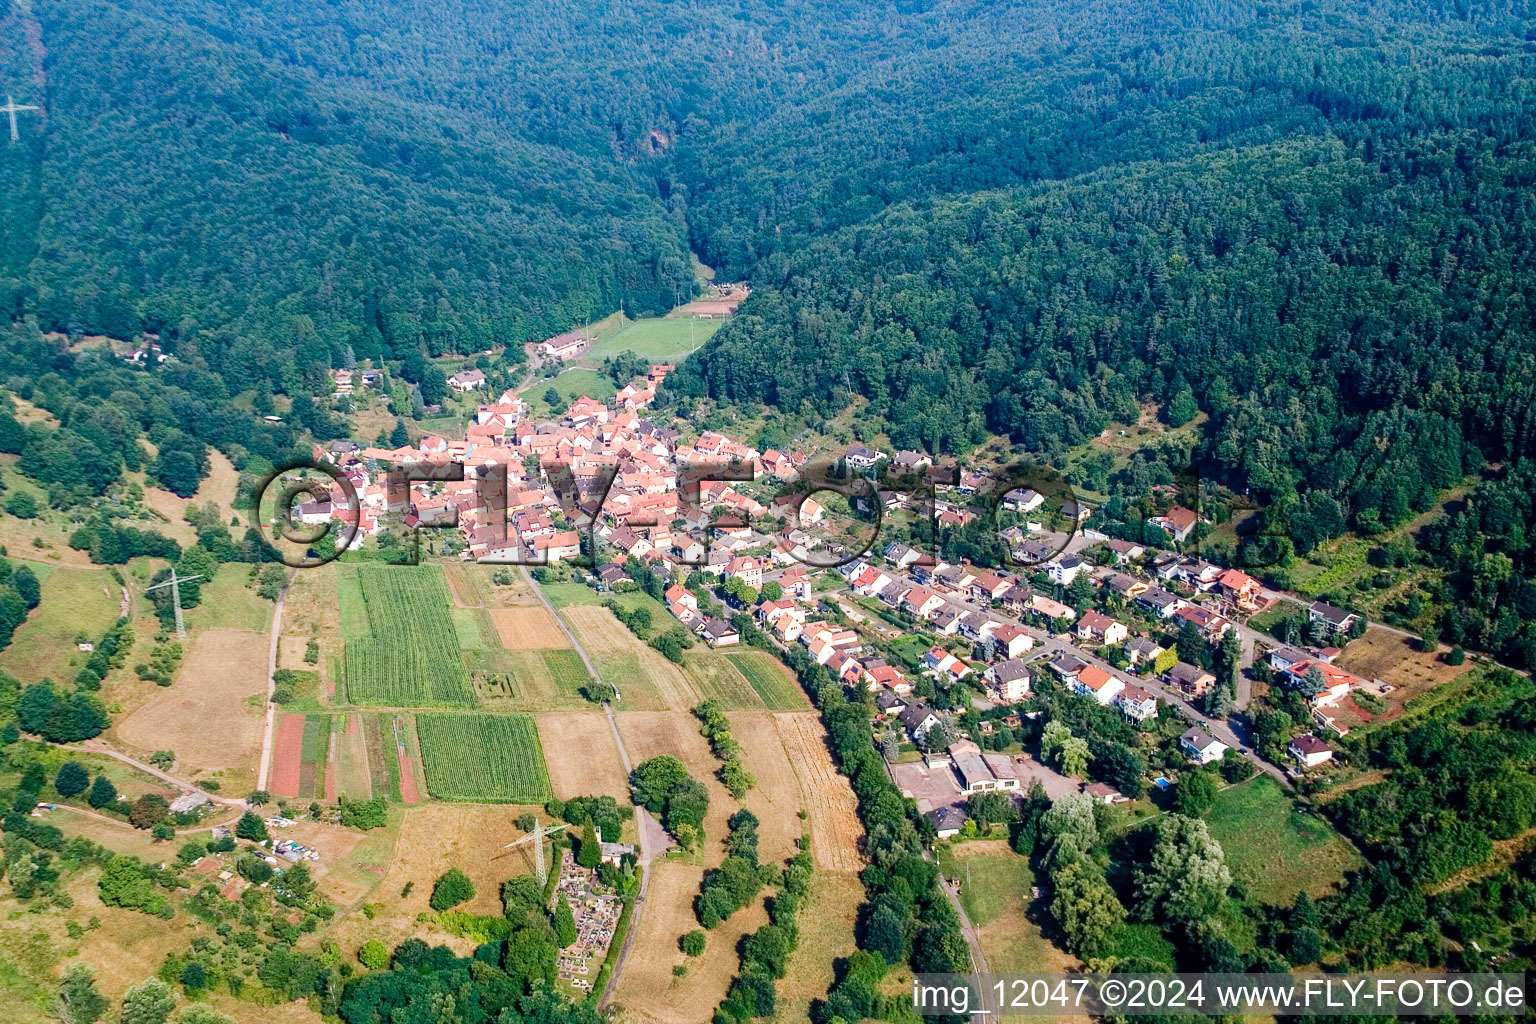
(266, 732)
(97, 746)
(120, 822)
(653, 840)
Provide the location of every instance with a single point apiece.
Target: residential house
(1010, 641)
(1310, 750)
(1127, 588)
(719, 633)
(1094, 682)
(1159, 602)
(1241, 589)
(1137, 704)
(1201, 747)
(1178, 522)
(1076, 510)
(1124, 550)
(900, 555)
(1191, 679)
(1064, 570)
(466, 380)
(1101, 628)
(941, 662)
(918, 718)
(1066, 666)
(1337, 620)
(749, 570)
(1023, 499)
(860, 457)
(948, 821)
(1011, 679)
(1049, 609)
(1142, 651)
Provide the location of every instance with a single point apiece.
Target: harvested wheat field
(206, 716)
(581, 756)
(649, 734)
(834, 819)
(527, 629)
(826, 919)
(646, 680)
(778, 797)
(647, 987)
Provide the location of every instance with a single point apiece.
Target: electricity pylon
(537, 835)
(175, 583)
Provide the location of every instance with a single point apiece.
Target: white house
(1201, 747)
(1310, 750)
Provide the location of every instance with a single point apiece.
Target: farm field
(409, 655)
(647, 985)
(718, 678)
(826, 920)
(778, 797)
(545, 680)
(771, 680)
(1274, 850)
(287, 756)
(648, 734)
(495, 758)
(353, 779)
(645, 679)
(581, 756)
(314, 756)
(73, 601)
(660, 340)
(527, 629)
(826, 795)
(206, 716)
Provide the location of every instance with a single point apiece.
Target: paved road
(1226, 732)
(272, 639)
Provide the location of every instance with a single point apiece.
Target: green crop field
(718, 678)
(772, 684)
(483, 757)
(566, 669)
(410, 656)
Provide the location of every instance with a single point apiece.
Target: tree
(527, 821)
(72, 779)
(22, 505)
(79, 1002)
(148, 1003)
(194, 977)
(589, 853)
(1195, 793)
(565, 922)
(400, 436)
(1074, 756)
(102, 792)
(147, 810)
(653, 780)
(1186, 878)
(373, 955)
(772, 590)
(201, 1015)
(453, 888)
(251, 827)
(693, 942)
(271, 580)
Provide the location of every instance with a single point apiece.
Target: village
(1103, 616)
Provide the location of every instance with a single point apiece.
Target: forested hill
(1310, 219)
